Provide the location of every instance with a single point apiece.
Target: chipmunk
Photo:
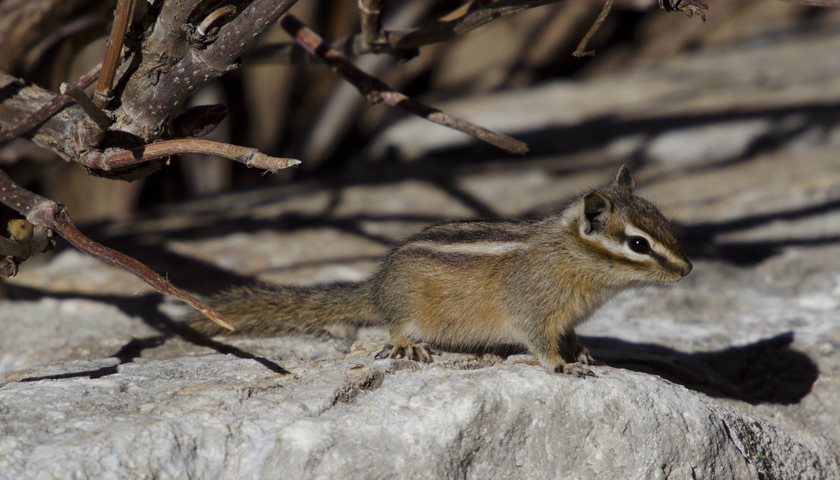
(479, 284)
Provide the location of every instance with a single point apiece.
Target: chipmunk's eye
(638, 244)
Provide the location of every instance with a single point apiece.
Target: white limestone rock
(219, 416)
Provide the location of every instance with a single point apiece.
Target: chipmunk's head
(629, 236)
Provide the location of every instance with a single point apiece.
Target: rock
(52, 331)
(219, 416)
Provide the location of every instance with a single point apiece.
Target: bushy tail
(267, 310)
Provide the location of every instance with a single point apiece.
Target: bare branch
(49, 109)
(166, 39)
(376, 90)
(48, 214)
(459, 22)
(248, 156)
(117, 259)
(371, 25)
(207, 23)
(152, 94)
(581, 50)
(95, 113)
(688, 7)
(402, 43)
(122, 17)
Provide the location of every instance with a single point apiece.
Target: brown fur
(480, 284)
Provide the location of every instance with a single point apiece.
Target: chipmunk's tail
(267, 310)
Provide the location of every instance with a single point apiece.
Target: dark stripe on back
(473, 231)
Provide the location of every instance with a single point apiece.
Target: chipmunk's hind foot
(419, 352)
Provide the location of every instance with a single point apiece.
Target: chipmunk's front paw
(419, 352)
(577, 369)
(586, 358)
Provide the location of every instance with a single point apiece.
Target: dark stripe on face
(663, 262)
(614, 257)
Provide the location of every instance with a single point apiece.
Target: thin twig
(688, 7)
(122, 17)
(248, 156)
(371, 26)
(458, 22)
(218, 14)
(45, 213)
(121, 260)
(50, 108)
(402, 42)
(376, 90)
(94, 112)
(581, 49)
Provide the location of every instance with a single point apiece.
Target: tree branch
(251, 157)
(402, 43)
(45, 213)
(39, 116)
(376, 90)
(152, 94)
(122, 17)
(371, 25)
(459, 22)
(581, 50)
(688, 7)
(94, 112)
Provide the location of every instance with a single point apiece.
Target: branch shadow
(699, 240)
(766, 372)
(596, 132)
(146, 307)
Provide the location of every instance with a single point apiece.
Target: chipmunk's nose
(687, 269)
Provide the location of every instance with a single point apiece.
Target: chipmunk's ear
(596, 212)
(624, 180)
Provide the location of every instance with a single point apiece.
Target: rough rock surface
(734, 372)
(222, 417)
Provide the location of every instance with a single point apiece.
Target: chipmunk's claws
(419, 352)
(577, 369)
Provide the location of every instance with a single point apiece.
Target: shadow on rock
(768, 371)
(146, 306)
(699, 240)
